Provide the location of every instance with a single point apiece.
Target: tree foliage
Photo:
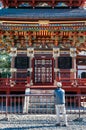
(5, 64)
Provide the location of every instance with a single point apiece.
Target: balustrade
(22, 82)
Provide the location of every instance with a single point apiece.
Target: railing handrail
(19, 95)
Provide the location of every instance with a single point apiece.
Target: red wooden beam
(53, 3)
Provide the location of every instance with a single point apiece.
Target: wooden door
(43, 71)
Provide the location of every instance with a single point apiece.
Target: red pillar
(70, 3)
(15, 3)
(8, 98)
(7, 3)
(4, 3)
(53, 3)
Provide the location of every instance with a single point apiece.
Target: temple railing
(19, 82)
(40, 104)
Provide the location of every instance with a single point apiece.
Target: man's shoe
(65, 125)
(57, 124)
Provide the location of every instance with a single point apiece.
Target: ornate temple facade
(45, 45)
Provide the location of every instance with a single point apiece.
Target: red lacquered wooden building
(46, 40)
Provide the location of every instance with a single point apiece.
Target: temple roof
(24, 14)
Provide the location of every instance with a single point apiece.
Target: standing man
(60, 104)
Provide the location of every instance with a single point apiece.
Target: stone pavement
(41, 122)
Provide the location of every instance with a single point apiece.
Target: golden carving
(43, 22)
(24, 39)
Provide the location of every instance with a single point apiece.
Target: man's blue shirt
(59, 96)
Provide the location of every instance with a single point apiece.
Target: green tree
(5, 64)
